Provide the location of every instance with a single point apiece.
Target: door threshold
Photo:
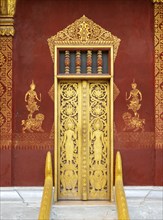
(83, 203)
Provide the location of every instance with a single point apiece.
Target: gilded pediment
(84, 32)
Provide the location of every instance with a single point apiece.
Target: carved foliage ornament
(84, 32)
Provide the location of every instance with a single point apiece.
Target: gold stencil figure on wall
(132, 120)
(33, 123)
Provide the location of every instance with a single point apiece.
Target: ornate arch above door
(83, 32)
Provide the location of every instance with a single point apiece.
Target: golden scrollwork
(33, 122)
(98, 140)
(79, 114)
(69, 143)
(133, 122)
(83, 32)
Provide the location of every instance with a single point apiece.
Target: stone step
(84, 211)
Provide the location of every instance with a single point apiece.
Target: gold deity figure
(135, 97)
(68, 140)
(98, 137)
(31, 98)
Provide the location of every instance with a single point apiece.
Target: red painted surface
(5, 167)
(132, 22)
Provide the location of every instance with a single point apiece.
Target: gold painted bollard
(46, 202)
(121, 202)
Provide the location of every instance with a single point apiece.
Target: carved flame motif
(68, 142)
(98, 147)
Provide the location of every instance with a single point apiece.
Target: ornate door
(83, 140)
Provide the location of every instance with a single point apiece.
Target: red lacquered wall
(35, 22)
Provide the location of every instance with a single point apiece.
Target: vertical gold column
(158, 43)
(84, 140)
(7, 10)
(67, 62)
(78, 62)
(89, 61)
(99, 62)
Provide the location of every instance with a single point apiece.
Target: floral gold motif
(77, 104)
(98, 140)
(68, 142)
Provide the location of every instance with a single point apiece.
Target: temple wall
(22, 163)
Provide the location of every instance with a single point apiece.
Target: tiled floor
(23, 203)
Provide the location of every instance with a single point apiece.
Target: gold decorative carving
(85, 139)
(67, 62)
(7, 11)
(51, 94)
(7, 7)
(83, 32)
(158, 41)
(157, 1)
(89, 61)
(32, 123)
(78, 62)
(6, 91)
(99, 62)
(133, 123)
(83, 110)
(98, 140)
(69, 142)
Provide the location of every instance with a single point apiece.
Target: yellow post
(121, 202)
(46, 202)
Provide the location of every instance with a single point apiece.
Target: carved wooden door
(83, 140)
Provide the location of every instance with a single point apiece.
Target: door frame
(86, 77)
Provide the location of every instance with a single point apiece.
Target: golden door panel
(69, 141)
(98, 158)
(83, 140)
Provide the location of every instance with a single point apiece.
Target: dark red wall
(129, 20)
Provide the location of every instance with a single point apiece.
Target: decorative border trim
(6, 92)
(158, 40)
